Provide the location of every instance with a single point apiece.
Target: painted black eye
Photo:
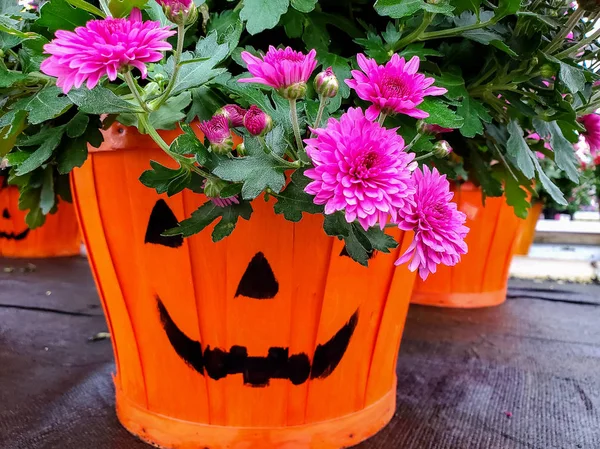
(161, 219)
(5, 214)
(258, 281)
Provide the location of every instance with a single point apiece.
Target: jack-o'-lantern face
(8, 225)
(258, 282)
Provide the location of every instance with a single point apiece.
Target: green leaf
(59, 15)
(336, 225)
(380, 240)
(209, 212)
(100, 100)
(189, 144)
(258, 170)
(39, 156)
(466, 5)
(293, 23)
(10, 131)
(518, 149)
(515, 195)
(160, 178)
(473, 112)
(263, 15)
(47, 196)
(440, 114)
(8, 41)
(454, 83)
(82, 4)
(198, 73)
(564, 153)
(440, 7)
(29, 198)
(397, 9)
(46, 104)
(156, 13)
(547, 184)
(74, 154)
(304, 5)
(171, 112)
(293, 200)
(506, 8)
(572, 77)
(77, 125)
(491, 186)
(374, 47)
(487, 37)
(122, 8)
(420, 51)
(41, 136)
(9, 77)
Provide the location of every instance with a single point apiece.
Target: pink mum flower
(234, 113)
(104, 47)
(285, 70)
(360, 168)
(591, 123)
(217, 131)
(395, 88)
(438, 225)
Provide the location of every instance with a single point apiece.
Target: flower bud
(233, 113)
(326, 83)
(213, 187)
(293, 92)
(241, 150)
(180, 12)
(257, 122)
(426, 128)
(547, 70)
(442, 149)
(218, 134)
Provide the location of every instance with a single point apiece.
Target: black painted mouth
(258, 371)
(13, 236)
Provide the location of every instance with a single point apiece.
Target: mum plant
(161, 65)
(352, 168)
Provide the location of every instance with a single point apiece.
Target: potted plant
(259, 328)
(43, 188)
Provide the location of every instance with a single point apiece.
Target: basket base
(166, 432)
(460, 300)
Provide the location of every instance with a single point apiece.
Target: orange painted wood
(168, 403)
(481, 278)
(527, 234)
(59, 236)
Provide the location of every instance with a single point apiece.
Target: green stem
(559, 39)
(177, 58)
(134, 90)
(412, 142)
(322, 104)
(454, 31)
(143, 120)
(275, 156)
(424, 156)
(295, 125)
(381, 119)
(416, 34)
(579, 45)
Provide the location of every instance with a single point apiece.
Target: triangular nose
(258, 281)
(161, 219)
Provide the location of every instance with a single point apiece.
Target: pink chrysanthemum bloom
(395, 88)
(285, 70)
(438, 225)
(591, 123)
(234, 113)
(217, 131)
(104, 47)
(360, 168)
